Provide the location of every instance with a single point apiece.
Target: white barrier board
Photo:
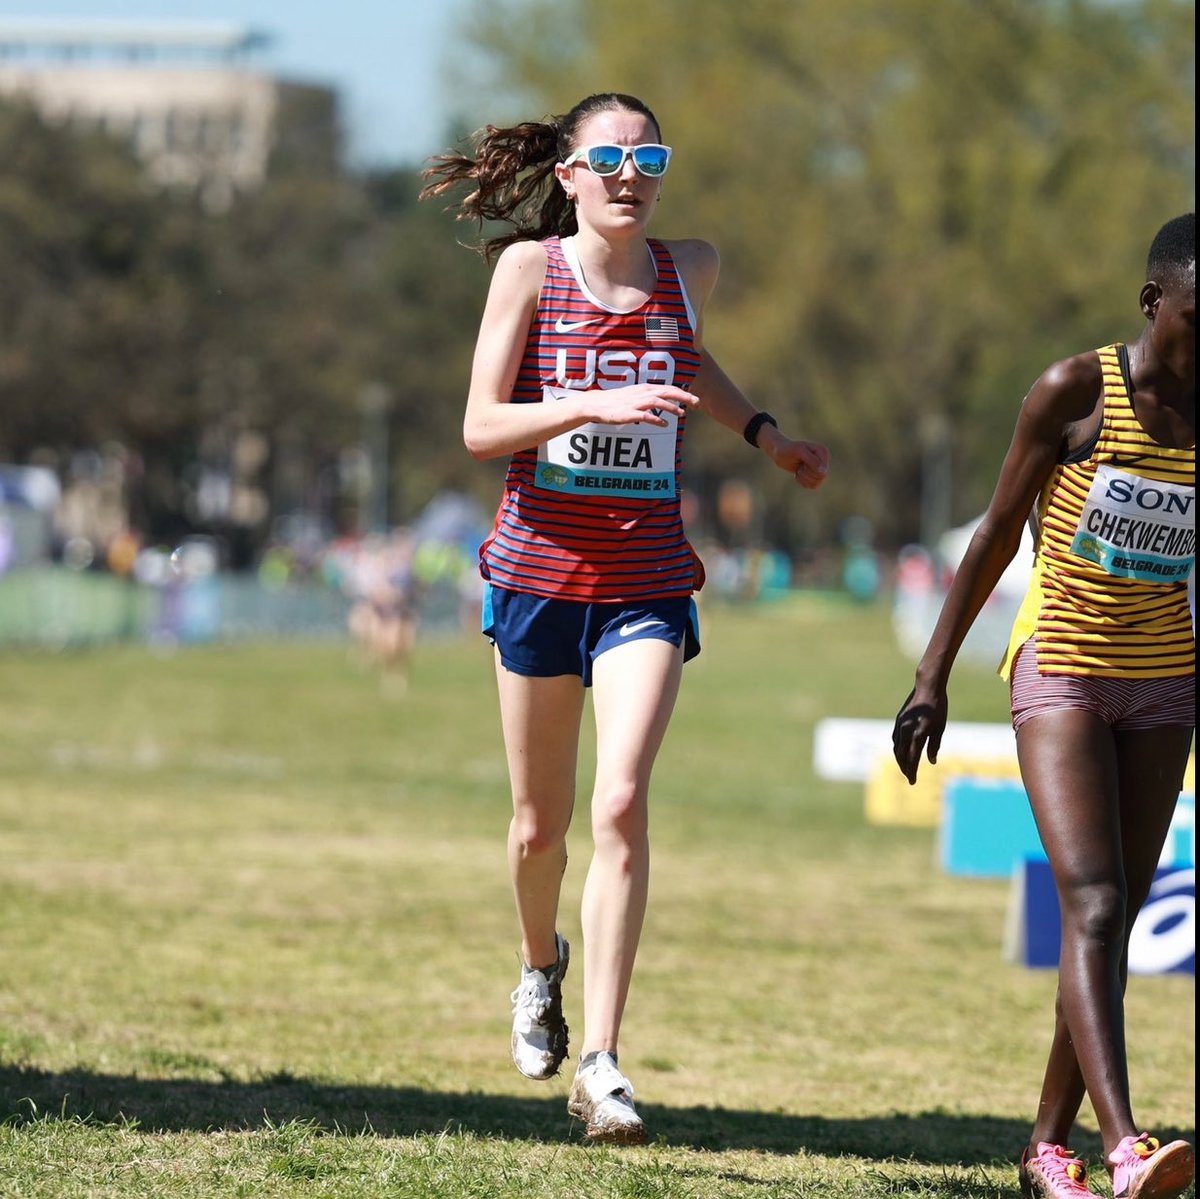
(847, 750)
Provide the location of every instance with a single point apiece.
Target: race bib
(1137, 528)
(601, 459)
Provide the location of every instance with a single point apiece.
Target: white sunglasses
(608, 159)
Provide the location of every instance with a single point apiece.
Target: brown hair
(512, 172)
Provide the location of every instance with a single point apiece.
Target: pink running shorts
(1122, 703)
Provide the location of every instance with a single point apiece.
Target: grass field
(258, 940)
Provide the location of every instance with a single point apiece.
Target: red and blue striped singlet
(593, 514)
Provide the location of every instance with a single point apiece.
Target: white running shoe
(539, 1032)
(602, 1097)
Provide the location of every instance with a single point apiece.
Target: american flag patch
(661, 329)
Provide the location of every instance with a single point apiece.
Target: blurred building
(188, 95)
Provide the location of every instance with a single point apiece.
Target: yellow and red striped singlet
(1116, 541)
(594, 514)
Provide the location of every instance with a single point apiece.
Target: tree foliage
(135, 316)
(919, 206)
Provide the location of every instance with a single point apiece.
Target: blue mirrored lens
(651, 160)
(606, 160)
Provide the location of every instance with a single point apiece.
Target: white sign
(846, 750)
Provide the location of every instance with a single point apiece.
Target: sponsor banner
(987, 827)
(1163, 940)
(848, 750)
(891, 799)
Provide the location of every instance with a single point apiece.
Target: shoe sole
(1168, 1175)
(551, 1072)
(1033, 1187)
(607, 1134)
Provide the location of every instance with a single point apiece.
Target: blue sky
(383, 56)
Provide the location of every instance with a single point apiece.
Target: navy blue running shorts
(544, 638)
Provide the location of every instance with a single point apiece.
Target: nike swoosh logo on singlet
(562, 325)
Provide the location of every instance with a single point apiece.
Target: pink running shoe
(1142, 1169)
(1053, 1173)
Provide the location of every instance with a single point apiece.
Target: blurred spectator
(8, 547)
(860, 566)
(384, 619)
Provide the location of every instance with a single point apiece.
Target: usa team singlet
(1116, 542)
(594, 514)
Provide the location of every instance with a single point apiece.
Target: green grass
(258, 940)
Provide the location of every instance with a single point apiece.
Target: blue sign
(987, 827)
(1163, 940)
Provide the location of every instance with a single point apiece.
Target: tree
(919, 206)
(135, 315)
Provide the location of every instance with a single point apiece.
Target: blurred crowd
(382, 588)
(73, 569)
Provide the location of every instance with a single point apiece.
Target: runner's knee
(1095, 910)
(619, 811)
(537, 833)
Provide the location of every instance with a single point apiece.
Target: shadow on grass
(189, 1105)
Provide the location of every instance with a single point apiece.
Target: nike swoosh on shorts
(627, 630)
(562, 325)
